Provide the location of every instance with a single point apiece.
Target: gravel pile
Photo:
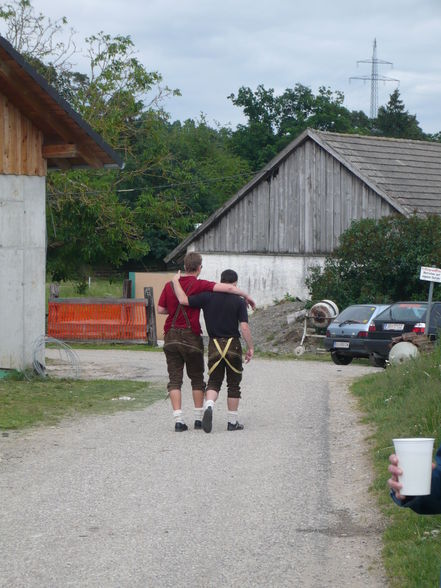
(279, 328)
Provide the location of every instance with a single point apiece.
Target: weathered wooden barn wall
(21, 143)
(302, 208)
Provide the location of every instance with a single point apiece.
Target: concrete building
(38, 131)
(291, 214)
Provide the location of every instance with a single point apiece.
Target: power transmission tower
(374, 78)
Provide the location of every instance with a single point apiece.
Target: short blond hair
(192, 261)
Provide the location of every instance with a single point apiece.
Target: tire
(377, 361)
(340, 359)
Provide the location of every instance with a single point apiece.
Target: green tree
(191, 173)
(379, 261)
(88, 224)
(274, 121)
(103, 228)
(37, 37)
(394, 121)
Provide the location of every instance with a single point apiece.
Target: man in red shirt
(182, 337)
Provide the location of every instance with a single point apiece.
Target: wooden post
(127, 289)
(54, 291)
(151, 317)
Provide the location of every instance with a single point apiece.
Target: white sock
(198, 414)
(178, 416)
(232, 416)
(208, 403)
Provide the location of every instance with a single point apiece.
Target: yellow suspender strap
(223, 356)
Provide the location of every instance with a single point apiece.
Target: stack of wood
(424, 344)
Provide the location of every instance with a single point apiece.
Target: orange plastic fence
(99, 319)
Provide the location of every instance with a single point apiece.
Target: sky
(208, 49)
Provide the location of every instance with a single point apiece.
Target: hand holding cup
(411, 467)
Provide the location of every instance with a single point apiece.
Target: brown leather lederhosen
(184, 347)
(225, 359)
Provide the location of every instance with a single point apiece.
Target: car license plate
(393, 326)
(341, 344)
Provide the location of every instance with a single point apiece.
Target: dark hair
(192, 261)
(229, 276)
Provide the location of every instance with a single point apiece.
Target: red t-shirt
(190, 285)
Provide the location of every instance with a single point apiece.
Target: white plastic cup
(415, 459)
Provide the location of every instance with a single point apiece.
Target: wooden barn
(38, 131)
(291, 214)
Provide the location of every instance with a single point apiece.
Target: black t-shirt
(222, 312)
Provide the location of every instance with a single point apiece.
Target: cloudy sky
(209, 48)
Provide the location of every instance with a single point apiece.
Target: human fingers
(393, 459)
(396, 487)
(395, 471)
(251, 303)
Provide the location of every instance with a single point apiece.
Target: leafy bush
(380, 261)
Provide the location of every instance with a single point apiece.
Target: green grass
(404, 401)
(40, 401)
(99, 288)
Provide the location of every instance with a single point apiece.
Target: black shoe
(235, 427)
(198, 424)
(179, 427)
(207, 419)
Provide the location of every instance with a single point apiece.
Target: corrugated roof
(407, 174)
(52, 114)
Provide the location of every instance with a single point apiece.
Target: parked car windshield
(356, 314)
(404, 311)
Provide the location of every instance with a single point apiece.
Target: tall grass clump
(405, 401)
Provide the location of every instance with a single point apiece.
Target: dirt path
(123, 501)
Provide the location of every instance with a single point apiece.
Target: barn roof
(68, 140)
(405, 173)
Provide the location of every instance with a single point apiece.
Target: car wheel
(377, 361)
(340, 359)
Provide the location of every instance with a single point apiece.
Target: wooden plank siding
(21, 143)
(302, 207)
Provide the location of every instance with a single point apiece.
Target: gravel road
(123, 501)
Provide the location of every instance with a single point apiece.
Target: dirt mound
(279, 328)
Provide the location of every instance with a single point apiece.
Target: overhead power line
(155, 188)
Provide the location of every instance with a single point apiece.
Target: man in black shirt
(224, 314)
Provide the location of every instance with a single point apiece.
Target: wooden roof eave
(51, 113)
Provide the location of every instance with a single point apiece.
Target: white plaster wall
(265, 277)
(22, 268)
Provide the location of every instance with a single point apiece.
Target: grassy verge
(24, 403)
(404, 401)
(99, 288)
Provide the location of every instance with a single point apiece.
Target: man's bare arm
(180, 294)
(231, 289)
(218, 287)
(162, 310)
(246, 334)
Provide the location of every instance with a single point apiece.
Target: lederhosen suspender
(223, 356)
(180, 309)
(182, 336)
